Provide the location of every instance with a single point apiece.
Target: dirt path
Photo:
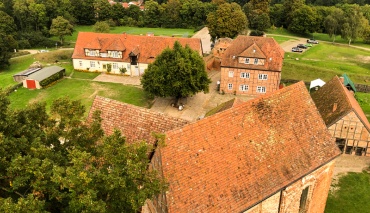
(350, 163)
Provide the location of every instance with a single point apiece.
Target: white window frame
(92, 63)
(230, 86)
(261, 89)
(246, 61)
(231, 74)
(244, 75)
(244, 87)
(92, 53)
(128, 66)
(80, 62)
(115, 66)
(115, 54)
(256, 61)
(262, 76)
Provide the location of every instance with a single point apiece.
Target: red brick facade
(251, 66)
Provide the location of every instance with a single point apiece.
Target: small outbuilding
(19, 77)
(43, 77)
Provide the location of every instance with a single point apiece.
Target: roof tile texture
(232, 160)
(148, 46)
(334, 92)
(135, 123)
(264, 48)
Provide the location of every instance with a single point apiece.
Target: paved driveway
(198, 105)
(204, 36)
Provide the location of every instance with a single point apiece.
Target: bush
(34, 39)
(257, 33)
(52, 78)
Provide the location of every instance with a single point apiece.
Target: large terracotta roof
(148, 46)
(334, 93)
(135, 123)
(254, 47)
(234, 159)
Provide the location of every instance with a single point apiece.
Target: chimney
(335, 105)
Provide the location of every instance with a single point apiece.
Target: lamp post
(56, 45)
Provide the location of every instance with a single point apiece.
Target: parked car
(302, 46)
(312, 41)
(308, 45)
(297, 49)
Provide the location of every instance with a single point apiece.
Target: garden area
(351, 194)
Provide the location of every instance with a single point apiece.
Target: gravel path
(204, 36)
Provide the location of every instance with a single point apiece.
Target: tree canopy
(227, 21)
(178, 72)
(59, 163)
(61, 27)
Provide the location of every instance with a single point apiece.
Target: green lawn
(85, 75)
(364, 101)
(280, 39)
(132, 30)
(16, 65)
(352, 195)
(77, 89)
(326, 60)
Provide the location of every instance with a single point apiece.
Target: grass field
(132, 30)
(78, 89)
(326, 60)
(352, 196)
(281, 39)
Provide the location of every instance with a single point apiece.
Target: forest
(31, 23)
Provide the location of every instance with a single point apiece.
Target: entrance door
(31, 84)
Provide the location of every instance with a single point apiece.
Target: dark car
(302, 46)
(297, 49)
(312, 41)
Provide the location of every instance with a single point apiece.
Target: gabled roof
(265, 47)
(45, 73)
(234, 159)
(252, 52)
(28, 72)
(334, 93)
(347, 82)
(135, 123)
(149, 46)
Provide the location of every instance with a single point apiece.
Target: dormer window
(247, 60)
(256, 61)
(92, 53)
(115, 54)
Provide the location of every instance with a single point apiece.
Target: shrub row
(52, 78)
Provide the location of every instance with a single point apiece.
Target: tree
(289, 7)
(354, 23)
(303, 20)
(59, 163)
(258, 14)
(7, 41)
(227, 21)
(332, 22)
(178, 72)
(101, 27)
(102, 10)
(61, 27)
(152, 14)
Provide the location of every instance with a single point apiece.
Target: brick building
(343, 116)
(270, 154)
(251, 66)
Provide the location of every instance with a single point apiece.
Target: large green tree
(258, 14)
(61, 27)
(354, 23)
(7, 35)
(178, 72)
(303, 20)
(227, 21)
(59, 163)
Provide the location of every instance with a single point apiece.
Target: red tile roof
(148, 46)
(266, 48)
(136, 123)
(334, 92)
(234, 159)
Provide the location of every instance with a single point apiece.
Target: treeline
(28, 23)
